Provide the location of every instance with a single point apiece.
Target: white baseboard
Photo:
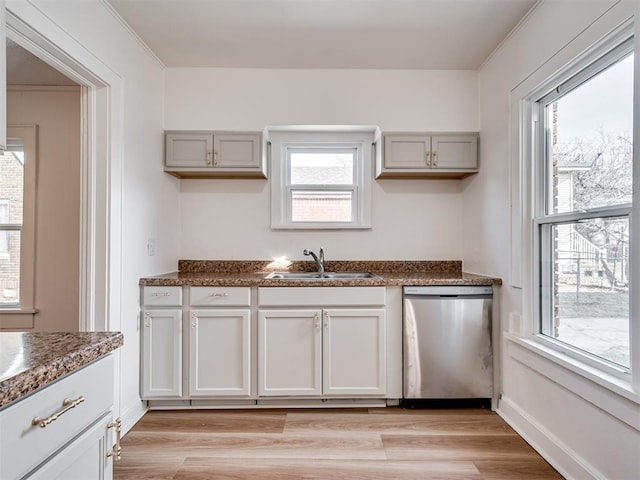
(551, 448)
(131, 415)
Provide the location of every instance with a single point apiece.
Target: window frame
(21, 314)
(284, 142)
(591, 63)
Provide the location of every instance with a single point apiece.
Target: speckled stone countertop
(240, 273)
(30, 361)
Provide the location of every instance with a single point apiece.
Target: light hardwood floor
(367, 444)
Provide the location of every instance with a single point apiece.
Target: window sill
(612, 394)
(17, 318)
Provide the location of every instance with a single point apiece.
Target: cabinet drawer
(23, 446)
(162, 296)
(224, 296)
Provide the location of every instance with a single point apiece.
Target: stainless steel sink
(320, 276)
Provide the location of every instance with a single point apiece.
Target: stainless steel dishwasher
(447, 351)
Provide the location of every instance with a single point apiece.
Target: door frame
(100, 161)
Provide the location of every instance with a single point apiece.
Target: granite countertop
(30, 361)
(241, 273)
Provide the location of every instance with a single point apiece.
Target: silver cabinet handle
(326, 320)
(67, 405)
(219, 295)
(147, 319)
(160, 294)
(215, 158)
(194, 319)
(117, 449)
(434, 162)
(209, 158)
(316, 318)
(427, 158)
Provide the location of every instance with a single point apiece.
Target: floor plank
(535, 468)
(456, 447)
(202, 468)
(449, 424)
(320, 445)
(217, 421)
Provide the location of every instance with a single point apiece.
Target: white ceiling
(397, 34)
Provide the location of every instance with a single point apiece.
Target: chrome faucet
(319, 259)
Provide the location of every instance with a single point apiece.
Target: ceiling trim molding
(112, 11)
(513, 31)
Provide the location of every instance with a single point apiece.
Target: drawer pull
(66, 404)
(219, 295)
(160, 294)
(117, 449)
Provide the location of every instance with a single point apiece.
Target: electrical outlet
(151, 247)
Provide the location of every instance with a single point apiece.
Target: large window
(583, 202)
(320, 180)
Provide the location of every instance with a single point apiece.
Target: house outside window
(583, 203)
(11, 223)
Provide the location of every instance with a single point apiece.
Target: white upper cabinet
(406, 155)
(3, 78)
(214, 154)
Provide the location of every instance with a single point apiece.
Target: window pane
(322, 168)
(10, 268)
(321, 206)
(590, 132)
(11, 187)
(589, 304)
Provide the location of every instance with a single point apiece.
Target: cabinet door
(162, 353)
(220, 353)
(240, 150)
(84, 458)
(454, 151)
(354, 352)
(3, 79)
(407, 151)
(189, 150)
(289, 352)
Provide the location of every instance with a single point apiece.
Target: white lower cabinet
(85, 458)
(327, 352)
(220, 352)
(289, 352)
(354, 352)
(161, 353)
(64, 431)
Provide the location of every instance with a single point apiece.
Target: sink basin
(320, 276)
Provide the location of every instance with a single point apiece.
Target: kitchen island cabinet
(56, 397)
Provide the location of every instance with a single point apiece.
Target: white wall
(56, 112)
(584, 430)
(229, 219)
(144, 200)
